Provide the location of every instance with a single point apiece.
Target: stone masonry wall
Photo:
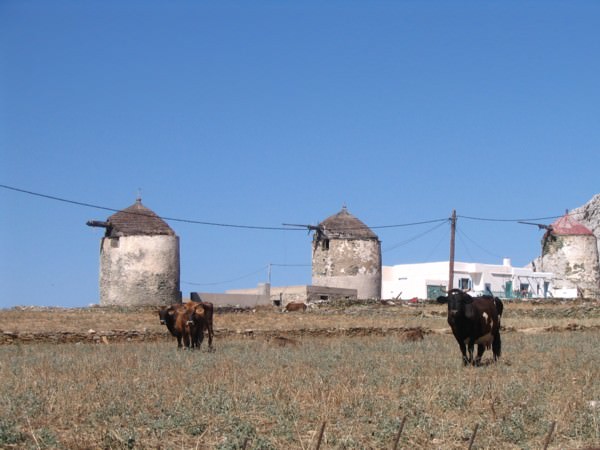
(589, 215)
(349, 263)
(139, 270)
(574, 262)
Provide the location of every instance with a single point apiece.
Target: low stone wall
(236, 300)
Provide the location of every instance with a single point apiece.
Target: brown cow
(295, 306)
(176, 318)
(201, 314)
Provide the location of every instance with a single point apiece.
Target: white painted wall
(406, 281)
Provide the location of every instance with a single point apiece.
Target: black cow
(474, 321)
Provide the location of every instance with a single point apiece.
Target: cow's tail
(497, 346)
(499, 306)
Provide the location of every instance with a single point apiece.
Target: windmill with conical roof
(139, 259)
(347, 254)
(570, 252)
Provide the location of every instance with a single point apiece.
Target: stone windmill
(139, 259)
(347, 254)
(570, 252)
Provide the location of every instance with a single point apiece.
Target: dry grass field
(97, 378)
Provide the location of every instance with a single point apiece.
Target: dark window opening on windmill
(324, 297)
(325, 244)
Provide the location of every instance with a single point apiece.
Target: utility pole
(451, 262)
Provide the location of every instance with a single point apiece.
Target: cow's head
(165, 313)
(196, 313)
(459, 303)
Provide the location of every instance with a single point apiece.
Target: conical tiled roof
(567, 225)
(344, 225)
(137, 220)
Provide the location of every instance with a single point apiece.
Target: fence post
(549, 435)
(473, 436)
(320, 435)
(399, 433)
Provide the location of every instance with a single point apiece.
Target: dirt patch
(279, 337)
(408, 322)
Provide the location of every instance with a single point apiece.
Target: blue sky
(264, 113)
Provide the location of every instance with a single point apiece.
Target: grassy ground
(517, 316)
(277, 393)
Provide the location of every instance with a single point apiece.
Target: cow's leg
(463, 350)
(178, 341)
(471, 349)
(480, 350)
(193, 336)
(199, 334)
(209, 329)
(186, 341)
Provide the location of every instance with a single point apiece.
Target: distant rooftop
(138, 220)
(345, 226)
(568, 226)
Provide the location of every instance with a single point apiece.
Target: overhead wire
(466, 247)
(463, 234)
(172, 219)
(435, 247)
(290, 265)
(259, 227)
(191, 221)
(488, 219)
(245, 276)
(439, 222)
(227, 281)
(415, 237)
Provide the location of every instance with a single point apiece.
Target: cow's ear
(442, 299)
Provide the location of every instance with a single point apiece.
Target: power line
(245, 276)
(508, 220)
(424, 222)
(290, 265)
(414, 238)
(190, 221)
(463, 234)
(227, 281)
(437, 244)
(172, 219)
(257, 227)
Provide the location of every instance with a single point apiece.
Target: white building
(429, 280)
